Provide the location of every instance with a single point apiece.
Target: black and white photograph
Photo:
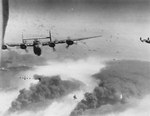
(75, 58)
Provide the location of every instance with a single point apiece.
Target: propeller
(8, 49)
(76, 43)
(54, 49)
(26, 50)
(83, 42)
(67, 46)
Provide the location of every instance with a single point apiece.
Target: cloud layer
(49, 93)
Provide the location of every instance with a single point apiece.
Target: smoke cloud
(140, 109)
(6, 97)
(40, 99)
(120, 82)
(72, 69)
(41, 94)
(101, 95)
(111, 91)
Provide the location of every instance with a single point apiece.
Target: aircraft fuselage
(37, 48)
(147, 41)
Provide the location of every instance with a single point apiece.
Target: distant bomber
(145, 40)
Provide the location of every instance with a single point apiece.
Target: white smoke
(139, 107)
(81, 70)
(5, 100)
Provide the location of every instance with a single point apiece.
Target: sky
(120, 22)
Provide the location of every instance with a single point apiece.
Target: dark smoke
(5, 12)
(101, 95)
(41, 94)
(120, 81)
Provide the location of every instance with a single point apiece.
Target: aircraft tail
(23, 41)
(141, 39)
(50, 36)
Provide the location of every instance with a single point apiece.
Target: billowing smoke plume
(5, 10)
(41, 94)
(119, 82)
(101, 95)
(69, 72)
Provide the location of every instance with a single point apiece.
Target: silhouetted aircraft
(145, 40)
(37, 44)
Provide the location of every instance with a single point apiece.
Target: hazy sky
(121, 22)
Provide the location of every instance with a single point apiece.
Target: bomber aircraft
(37, 44)
(145, 40)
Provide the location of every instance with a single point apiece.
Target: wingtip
(98, 36)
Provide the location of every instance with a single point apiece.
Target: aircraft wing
(18, 44)
(77, 39)
(45, 43)
(13, 45)
(36, 38)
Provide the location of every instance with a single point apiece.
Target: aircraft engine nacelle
(52, 45)
(23, 46)
(69, 42)
(4, 47)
